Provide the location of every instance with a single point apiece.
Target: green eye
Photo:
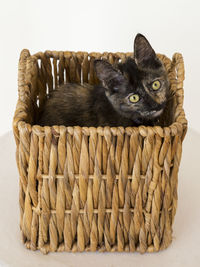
(156, 85)
(134, 98)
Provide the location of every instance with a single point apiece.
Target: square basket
(89, 189)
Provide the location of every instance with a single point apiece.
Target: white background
(106, 25)
(103, 25)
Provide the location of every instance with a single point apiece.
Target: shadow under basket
(94, 189)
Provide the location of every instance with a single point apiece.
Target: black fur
(66, 106)
(109, 105)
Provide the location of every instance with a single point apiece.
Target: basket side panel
(112, 211)
(106, 189)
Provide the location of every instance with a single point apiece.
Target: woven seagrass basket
(88, 189)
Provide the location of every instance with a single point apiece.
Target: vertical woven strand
(137, 184)
(31, 196)
(55, 71)
(133, 143)
(69, 180)
(177, 151)
(119, 146)
(122, 183)
(67, 56)
(48, 72)
(83, 184)
(101, 211)
(69, 170)
(90, 221)
(60, 198)
(85, 68)
(136, 170)
(98, 191)
(154, 198)
(76, 148)
(165, 225)
(147, 170)
(123, 171)
(61, 66)
(127, 216)
(23, 154)
(94, 234)
(27, 217)
(36, 212)
(72, 69)
(52, 189)
(34, 230)
(83, 169)
(104, 155)
(75, 213)
(97, 168)
(23, 160)
(78, 61)
(114, 215)
(92, 148)
(110, 171)
(45, 198)
(88, 213)
(32, 169)
(110, 175)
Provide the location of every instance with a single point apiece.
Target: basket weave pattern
(88, 189)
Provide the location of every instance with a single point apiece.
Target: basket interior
(52, 69)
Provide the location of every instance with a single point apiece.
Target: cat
(131, 93)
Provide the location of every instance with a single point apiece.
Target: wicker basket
(88, 189)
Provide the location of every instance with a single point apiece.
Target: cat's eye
(134, 98)
(156, 85)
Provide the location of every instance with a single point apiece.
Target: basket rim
(179, 126)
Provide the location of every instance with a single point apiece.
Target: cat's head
(137, 89)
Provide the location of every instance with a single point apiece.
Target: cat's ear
(144, 54)
(107, 74)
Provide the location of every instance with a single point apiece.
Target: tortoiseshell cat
(132, 93)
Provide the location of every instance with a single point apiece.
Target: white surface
(184, 251)
(100, 25)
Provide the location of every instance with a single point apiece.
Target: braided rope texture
(89, 189)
